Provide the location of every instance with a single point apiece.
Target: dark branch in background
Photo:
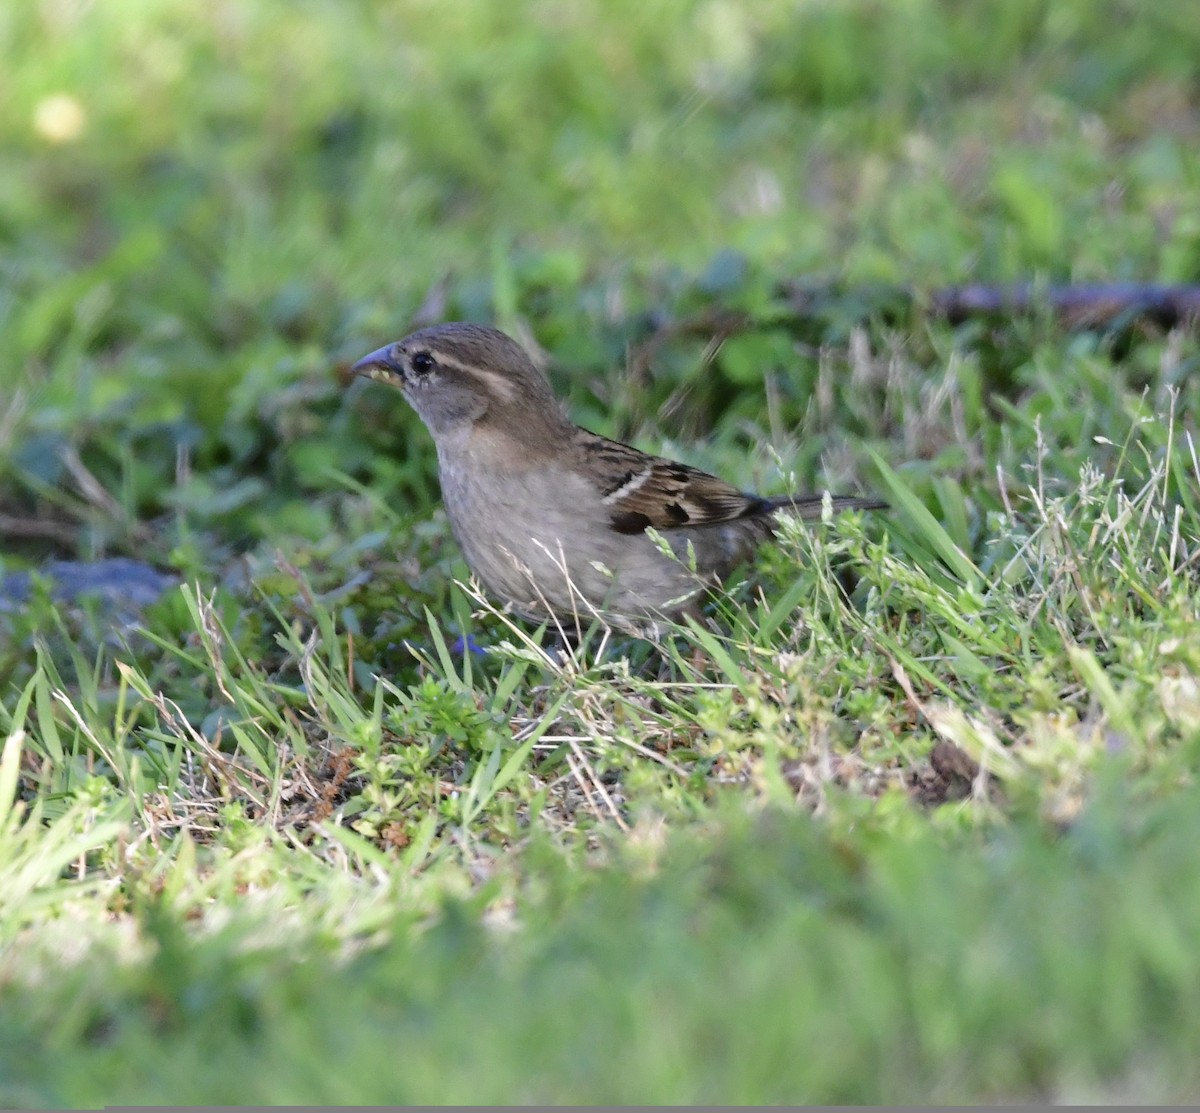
(66, 533)
(1110, 305)
(822, 312)
(1107, 304)
(1115, 307)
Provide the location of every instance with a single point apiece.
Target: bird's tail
(812, 506)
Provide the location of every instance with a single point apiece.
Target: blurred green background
(720, 223)
(207, 208)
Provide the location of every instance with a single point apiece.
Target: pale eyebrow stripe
(496, 384)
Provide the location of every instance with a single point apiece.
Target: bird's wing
(641, 490)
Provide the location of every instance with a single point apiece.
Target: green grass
(908, 818)
(867, 959)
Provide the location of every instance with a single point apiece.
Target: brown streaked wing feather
(643, 490)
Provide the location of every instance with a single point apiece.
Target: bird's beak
(381, 365)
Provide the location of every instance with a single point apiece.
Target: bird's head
(456, 375)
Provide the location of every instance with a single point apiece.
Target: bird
(557, 522)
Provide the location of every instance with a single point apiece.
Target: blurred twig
(66, 533)
(1115, 305)
(1078, 306)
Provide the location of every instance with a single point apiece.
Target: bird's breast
(518, 523)
(538, 535)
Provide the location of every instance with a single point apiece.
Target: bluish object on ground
(462, 646)
(124, 585)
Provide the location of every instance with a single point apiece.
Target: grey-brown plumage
(552, 518)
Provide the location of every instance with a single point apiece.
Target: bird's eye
(422, 363)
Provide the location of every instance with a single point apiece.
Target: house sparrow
(552, 518)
